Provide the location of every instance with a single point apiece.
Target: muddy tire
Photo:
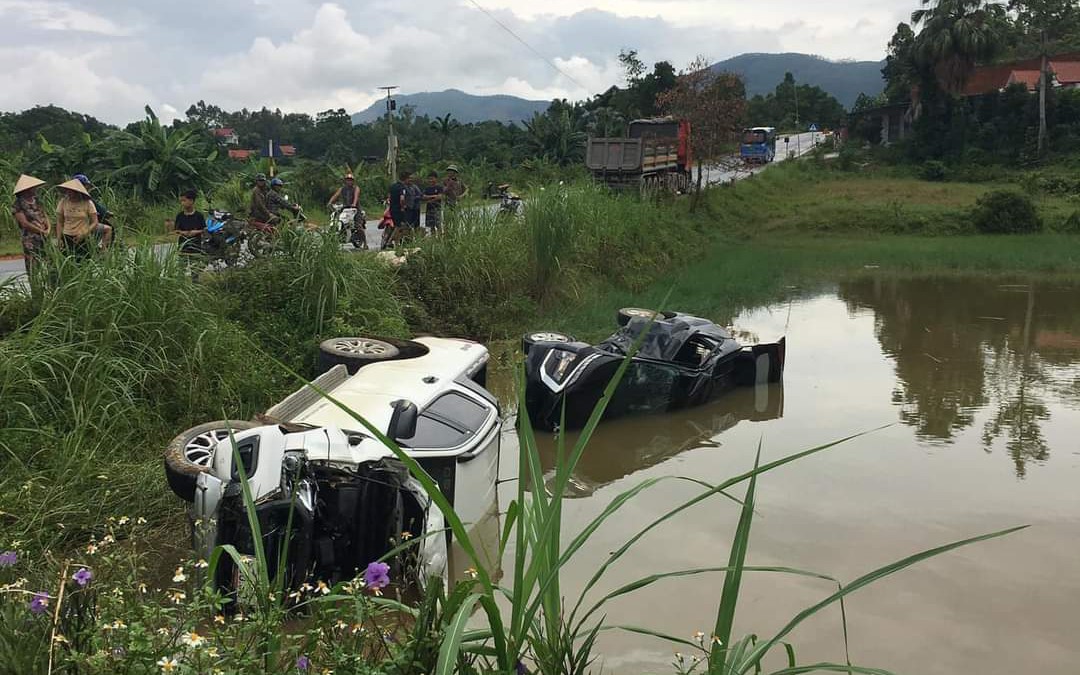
(543, 337)
(354, 352)
(189, 454)
(624, 315)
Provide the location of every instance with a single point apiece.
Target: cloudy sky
(109, 58)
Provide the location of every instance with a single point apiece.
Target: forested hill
(845, 80)
(465, 108)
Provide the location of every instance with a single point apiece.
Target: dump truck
(654, 155)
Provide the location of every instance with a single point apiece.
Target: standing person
(454, 188)
(31, 219)
(189, 226)
(398, 194)
(434, 196)
(414, 200)
(77, 221)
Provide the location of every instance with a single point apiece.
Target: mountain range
(843, 79)
(465, 108)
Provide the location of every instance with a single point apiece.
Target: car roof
(372, 390)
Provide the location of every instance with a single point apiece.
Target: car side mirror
(403, 420)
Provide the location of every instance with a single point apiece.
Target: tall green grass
(118, 353)
(486, 275)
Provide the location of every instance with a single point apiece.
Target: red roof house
(992, 79)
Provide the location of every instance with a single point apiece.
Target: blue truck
(758, 145)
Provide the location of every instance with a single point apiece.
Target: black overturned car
(681, 361)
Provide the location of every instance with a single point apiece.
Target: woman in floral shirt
(31, 219)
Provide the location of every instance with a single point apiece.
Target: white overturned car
(351, 499)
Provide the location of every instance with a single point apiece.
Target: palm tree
(556, 136)
(605, 122)
(955, 36)
(160, 162)
(444, 126)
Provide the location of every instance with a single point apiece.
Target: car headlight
(557, 364)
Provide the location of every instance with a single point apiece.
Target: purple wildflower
(39, 603)
(303, 663)
(521, 669)
(8, 558)
(377, 576)
(83, 576)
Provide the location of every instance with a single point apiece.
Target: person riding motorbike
(348, 194)
(260, 204)
(276, 201)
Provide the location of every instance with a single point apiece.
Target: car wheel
(354, 352)
(189, 454)
(625, 314)
(543, 337)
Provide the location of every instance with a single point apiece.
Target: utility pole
(798, 129)
(391, 141)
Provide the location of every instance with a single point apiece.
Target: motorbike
(510, 203)
(386, 224)
(350, 224)
(224, 237)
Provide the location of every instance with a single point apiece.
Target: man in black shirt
(433, 196)
(189, 225)
(399, 192)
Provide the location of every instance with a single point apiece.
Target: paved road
(731, 171)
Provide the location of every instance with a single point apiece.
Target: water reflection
(964, 346)
(624, 446)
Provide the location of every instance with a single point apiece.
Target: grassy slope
(800, 226)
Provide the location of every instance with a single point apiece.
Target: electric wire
(527, 45)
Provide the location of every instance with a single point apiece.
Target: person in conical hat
(77, 221)
(33, 223)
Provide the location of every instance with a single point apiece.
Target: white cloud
(69, 80)
(310, 55)
(57, 17)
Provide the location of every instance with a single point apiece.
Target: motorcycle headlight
(557, 364)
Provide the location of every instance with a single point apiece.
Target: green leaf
(453, 637)
(654, 633)
(831, 668)
(729, 596)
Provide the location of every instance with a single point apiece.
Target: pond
(979, 384)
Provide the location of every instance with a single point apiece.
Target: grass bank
(799, 226)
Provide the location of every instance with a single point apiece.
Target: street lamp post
(391, 141)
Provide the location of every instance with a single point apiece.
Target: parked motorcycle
(350, 224)
(224, 237)
(510, 203)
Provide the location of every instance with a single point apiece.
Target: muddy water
(980, 384)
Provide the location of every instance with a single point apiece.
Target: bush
(1005, 212)
(310, 291)
(1072, 224)
(933, 171)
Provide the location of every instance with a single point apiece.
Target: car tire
(624, 315)
(189, 454)
(354, 352)
(543, 337)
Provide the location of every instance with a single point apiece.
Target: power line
(528, 46)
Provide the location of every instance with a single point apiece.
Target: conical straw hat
(26, 182)
(75, 186)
